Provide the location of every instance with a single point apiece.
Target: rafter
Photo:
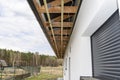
(58, 38)
(59, 35)
(48, 15)
(67, 9)
(63, 48)
(37, 6)
(58, 24)
(58, 32)
(57, 3)
(57, 19)
(59, 43)
(62, 18)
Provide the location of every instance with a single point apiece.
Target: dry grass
(52, 70)
(48, 73)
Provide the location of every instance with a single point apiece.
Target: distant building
(3, 63)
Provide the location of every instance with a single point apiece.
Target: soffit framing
(57, 18)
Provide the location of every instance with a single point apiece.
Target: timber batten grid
(57, 19)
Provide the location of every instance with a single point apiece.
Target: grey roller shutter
(106, 49)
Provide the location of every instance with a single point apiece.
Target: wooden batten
(58, 24)
(58, 19)
(48, 15)
(67, 9)
(58, 38)
(58, 32)
(57, 3)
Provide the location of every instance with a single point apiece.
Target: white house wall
(92, 14)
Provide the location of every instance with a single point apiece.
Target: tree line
(17, 58)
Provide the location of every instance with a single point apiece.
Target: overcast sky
(19, 29)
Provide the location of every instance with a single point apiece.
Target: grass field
(48, 73)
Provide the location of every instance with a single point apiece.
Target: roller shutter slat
(106, 49)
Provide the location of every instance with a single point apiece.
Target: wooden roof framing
(67, 9)
(58, 24)
(48, 15)
(57, 3)
(56, 18)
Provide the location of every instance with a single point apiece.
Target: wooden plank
(57, 3)
(48, 15)
(37, 7)
(58, 19)
(59, 35)
(64, 46)
(62, 17)
(59, 43)
(58, 24)
(58, 32)
(58, 38)
(67, 9)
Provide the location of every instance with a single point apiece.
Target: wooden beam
(48, 15)
(60, 27)
(58, 19)
(62, 18)
(61, 53)
(59, 43)
(37, 6)
(64, 46)
(67, 9)
(58, 38)
(57, 3)
(59, 35)
(58, 24)
(58, 32)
